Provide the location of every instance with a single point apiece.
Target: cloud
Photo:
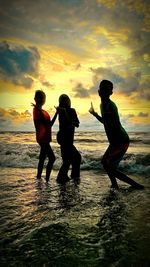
(130, 116)
(77, 66)
(14, 117)
(142, 114)
(108, 3)
(108, 37)
(80, 91)
(47, 84)
(18, 64)
(139, 122)
(104, 74)
(127, 82)
(12, 120)
(143, 91)
(130, 84)
(68, 24)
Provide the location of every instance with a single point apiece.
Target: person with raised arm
(116, 134)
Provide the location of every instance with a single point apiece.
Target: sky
(69, 46)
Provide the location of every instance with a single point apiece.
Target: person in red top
(43, 124)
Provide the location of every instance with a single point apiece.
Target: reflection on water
(69, 195)
(113, 228)
(76, 224)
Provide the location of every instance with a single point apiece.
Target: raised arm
(99, 118)
(54, 118)
(95, 114)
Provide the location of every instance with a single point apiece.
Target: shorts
(114, 154)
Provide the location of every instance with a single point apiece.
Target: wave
(89, 140)
(26, 156)
(133, 163)
(104, 140)
(140, 141)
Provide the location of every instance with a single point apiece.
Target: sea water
(76, 224)
(20, 150)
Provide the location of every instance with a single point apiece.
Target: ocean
(76, 224)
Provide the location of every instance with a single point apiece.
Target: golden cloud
(13, 116)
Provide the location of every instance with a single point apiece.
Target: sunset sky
(68, 46)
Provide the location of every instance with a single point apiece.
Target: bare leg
(51, 161)
(110, 161)
(114, 173)
(62, 176)
(123, 177)
(76, 161)
(42, 157)
(113, 180)
(63, 172)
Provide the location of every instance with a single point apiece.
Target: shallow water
(20, 150)
(77, 224)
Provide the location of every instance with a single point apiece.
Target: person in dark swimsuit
(68, 120)
(116, 134)
(43, 124)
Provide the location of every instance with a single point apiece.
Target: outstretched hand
(58, 108)
(91, 110)
(33, 105)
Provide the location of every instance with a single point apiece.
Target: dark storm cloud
(18, 63)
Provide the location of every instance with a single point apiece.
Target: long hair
(64, 101)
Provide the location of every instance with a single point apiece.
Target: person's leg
(105, 161)
(76, 161)
(123, 177)
(113, 180)
(42, 157)
(111, 161)
(66, 161)
(51, 160)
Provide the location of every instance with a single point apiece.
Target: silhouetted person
(116, 134)
(68, 120)
(43, 124)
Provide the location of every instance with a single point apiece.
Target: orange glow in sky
(68, 47)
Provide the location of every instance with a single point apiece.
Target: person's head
(105, 89)
(64, 101)
(40, 97)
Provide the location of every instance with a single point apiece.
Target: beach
(84, 223)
